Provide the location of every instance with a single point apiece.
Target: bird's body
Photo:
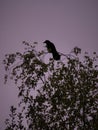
(52, 49)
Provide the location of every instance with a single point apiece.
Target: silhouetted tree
(59, 95)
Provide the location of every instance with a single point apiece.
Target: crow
(52, 49)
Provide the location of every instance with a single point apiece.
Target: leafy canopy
(59, 95)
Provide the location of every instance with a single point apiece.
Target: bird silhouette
(52, 49)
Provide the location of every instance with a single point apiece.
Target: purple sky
(67, 23)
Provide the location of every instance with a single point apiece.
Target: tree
(59, 95)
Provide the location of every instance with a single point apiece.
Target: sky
(67, 23)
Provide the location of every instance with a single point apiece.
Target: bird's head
(46, 41)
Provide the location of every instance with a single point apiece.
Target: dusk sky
(67, 23)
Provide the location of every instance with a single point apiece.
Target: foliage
(59, 95)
